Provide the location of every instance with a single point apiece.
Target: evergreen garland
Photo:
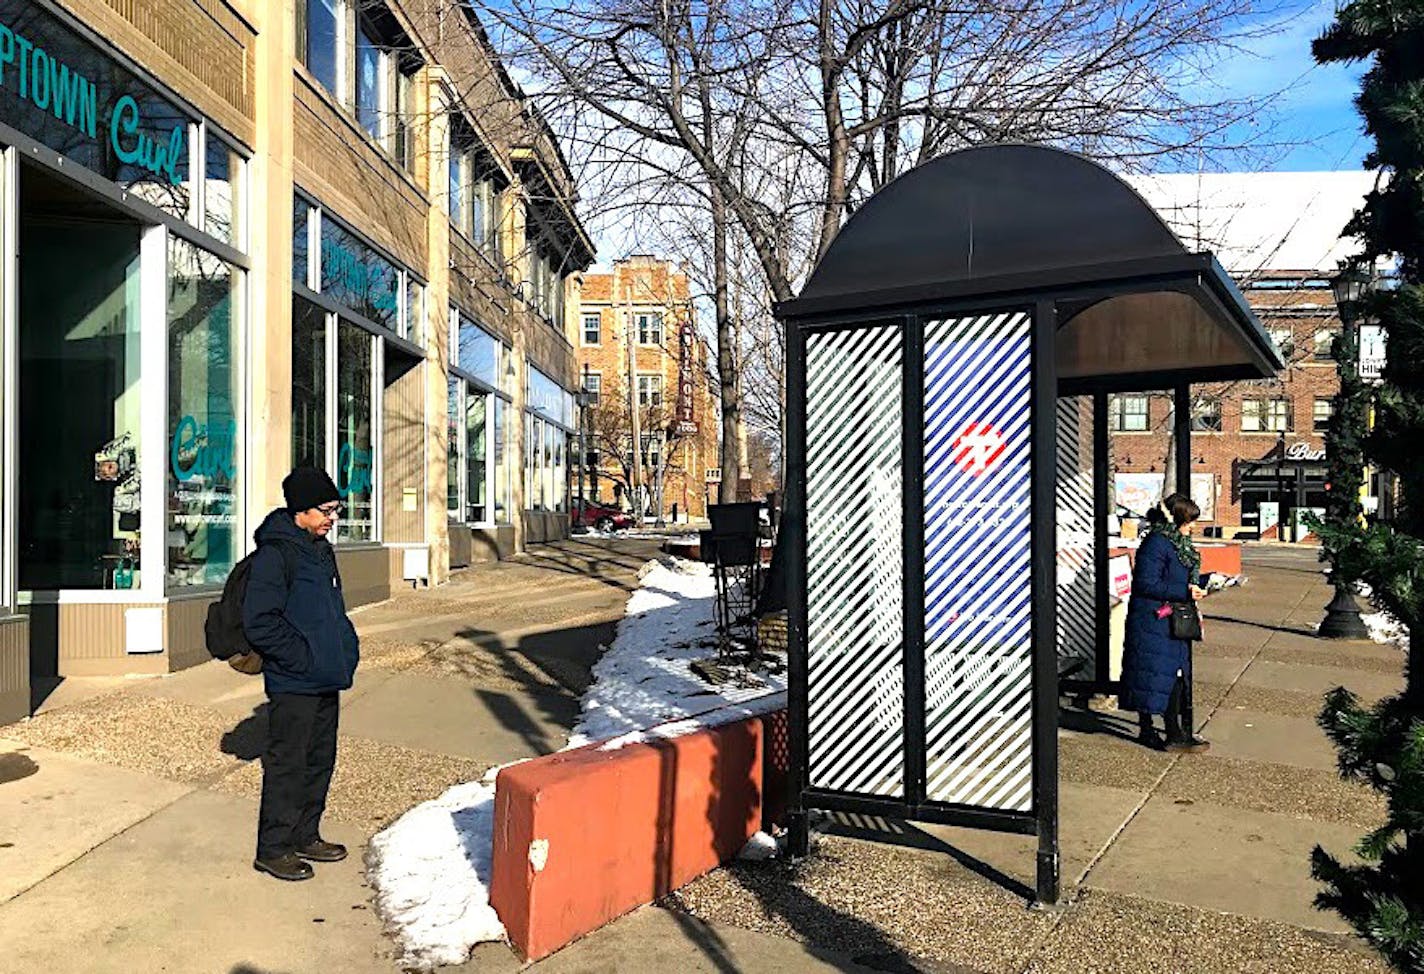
(1383, 898)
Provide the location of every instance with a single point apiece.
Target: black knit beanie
(308, 487)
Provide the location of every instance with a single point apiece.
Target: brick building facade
(642, 312)
(1258, 450)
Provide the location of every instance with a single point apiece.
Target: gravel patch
(1308, 793)
(1108, 933)
(154, 735)
(883, 906)
(1110, 762)
(375, 783)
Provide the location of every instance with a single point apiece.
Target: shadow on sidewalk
(1272, 627)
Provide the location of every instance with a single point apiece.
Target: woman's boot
(1180, 739)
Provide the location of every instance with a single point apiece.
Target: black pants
(296, 770)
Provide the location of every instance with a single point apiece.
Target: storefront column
(1182, 418)
(269, 342)
(437, 316)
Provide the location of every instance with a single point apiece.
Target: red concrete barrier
(1216, 556)
(582, 837)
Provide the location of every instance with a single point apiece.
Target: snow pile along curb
(431, 868)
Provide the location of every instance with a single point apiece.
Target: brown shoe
(1192, 745)
(286, 866)
(322, 851)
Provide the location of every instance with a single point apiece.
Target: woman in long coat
(1154, 665)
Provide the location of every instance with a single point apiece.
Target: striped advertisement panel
(978, 569)
(1077, 572)
(854, 567)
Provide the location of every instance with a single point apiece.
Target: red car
(592, 514)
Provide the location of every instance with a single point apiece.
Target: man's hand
(1198, 593)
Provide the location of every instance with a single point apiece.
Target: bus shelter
(948, 367)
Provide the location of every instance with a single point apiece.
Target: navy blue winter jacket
(306, 642)
(1151, 658)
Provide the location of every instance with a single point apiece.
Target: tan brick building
(641, 314)
(257, 233)
(1257, 447)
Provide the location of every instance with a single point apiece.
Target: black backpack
(223, 631)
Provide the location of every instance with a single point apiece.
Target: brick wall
(1306, 378)
(644, 285)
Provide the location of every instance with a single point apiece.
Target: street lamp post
(1351, 286)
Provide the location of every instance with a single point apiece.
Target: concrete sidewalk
(127, 810)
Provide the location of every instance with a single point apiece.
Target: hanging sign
(1372, 352)
(1304, 451)
(686, 424)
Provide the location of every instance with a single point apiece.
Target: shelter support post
(1182, 440)
(794, 521)
(1102, 669)
(1043, 499)
(913, 577)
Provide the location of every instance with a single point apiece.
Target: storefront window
(79, 400)
(355, 275)
(301, 241)
(105, 119)
(223, 192)
(502, 478)
(476, 475)
(414, 323)
(355, 447)
(204, 349)
(308, 384)
(452, 448)
(478, 354)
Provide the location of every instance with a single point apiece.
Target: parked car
(592, 514)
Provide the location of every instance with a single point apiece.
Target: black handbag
(1185, 621)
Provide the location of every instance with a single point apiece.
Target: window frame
(594, 393)
(1120, 413)
(1315, 418)
(597, 319)
(1200, 417)
(650, 323)
(1325, 352)
(646, 396)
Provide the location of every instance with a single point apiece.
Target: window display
(204, 345)
(355, 456)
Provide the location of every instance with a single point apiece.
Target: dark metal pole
(1043, 522)
(1102, 672)
(913, 491)
(1182, 435)
(794, 521)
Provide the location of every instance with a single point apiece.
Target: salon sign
(54, 86)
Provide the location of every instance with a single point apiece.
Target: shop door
(79, 408)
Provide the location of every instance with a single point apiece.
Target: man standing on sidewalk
(295, 617)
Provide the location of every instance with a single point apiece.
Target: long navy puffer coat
(1151, 658)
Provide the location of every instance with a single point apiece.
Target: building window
(453, 433)
(308, 384)
(355, 442)
(1325, 343)
(1206, 415)
(370, 94)
(592, 329)
(650, 329)
(476, 185)
(593, 385)
(403, 142)
(1323, 410)
(477, 353)
(476, 457)
(1266, 416)
(650, 390)
(204, 347)
(1284, 341)
(319, 40)
(1129, 414)
(224, 194)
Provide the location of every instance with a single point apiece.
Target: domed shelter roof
(1032, 223)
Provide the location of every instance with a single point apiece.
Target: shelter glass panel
(854, 567)
(978, 564)
(1077, 570)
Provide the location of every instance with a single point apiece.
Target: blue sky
(1314, 113)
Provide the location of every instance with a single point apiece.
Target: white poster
(1139, 492)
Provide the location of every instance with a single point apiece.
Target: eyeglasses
(330, 511)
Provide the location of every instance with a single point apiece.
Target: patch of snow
(431, 872)
(431, 868)
(1383, 626)
(759, 848)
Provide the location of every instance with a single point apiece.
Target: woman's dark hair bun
(1155, 516)
(1182, 508)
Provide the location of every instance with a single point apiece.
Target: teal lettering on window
(353, 471)
(68, 95)
(206, 450)
(358, 276)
